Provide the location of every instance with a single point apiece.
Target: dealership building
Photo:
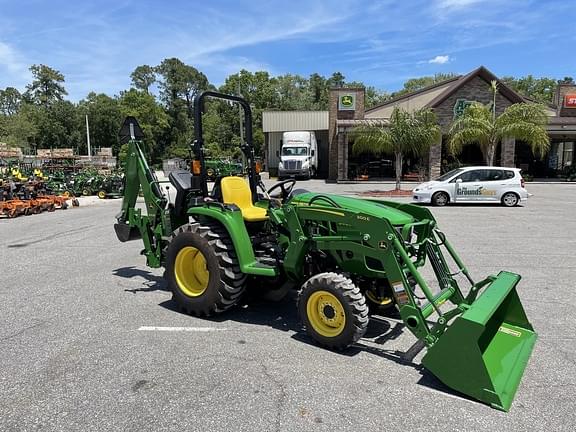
(447, 99)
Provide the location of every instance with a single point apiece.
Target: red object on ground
(388, 193)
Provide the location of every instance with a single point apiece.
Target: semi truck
(299, 155)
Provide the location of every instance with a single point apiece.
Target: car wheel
(510, 199)
(440, 199)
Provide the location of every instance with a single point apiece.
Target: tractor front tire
(333, 310)
(202, 270)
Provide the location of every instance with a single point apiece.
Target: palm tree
(480, 125)
(406, 133)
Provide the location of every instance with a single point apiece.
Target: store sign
(570, 101)
(460, 106)
(347, 102)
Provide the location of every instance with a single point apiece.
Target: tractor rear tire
(202, 269)
(333, 310)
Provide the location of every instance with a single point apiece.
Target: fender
(233, 223)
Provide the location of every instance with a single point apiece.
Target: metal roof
(283, 121)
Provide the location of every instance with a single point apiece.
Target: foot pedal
(413, 351)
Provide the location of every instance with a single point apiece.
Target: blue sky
(96, 44)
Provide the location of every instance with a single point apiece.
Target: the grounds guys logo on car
(479, 191)
(347, 102)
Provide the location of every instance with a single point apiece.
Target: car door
(468, 185)
(492, 182)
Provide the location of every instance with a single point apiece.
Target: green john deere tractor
(342, 254)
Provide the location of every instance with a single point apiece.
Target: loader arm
(153, 224)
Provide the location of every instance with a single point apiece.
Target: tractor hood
(368, 207)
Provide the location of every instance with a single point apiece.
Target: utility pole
(88, 137)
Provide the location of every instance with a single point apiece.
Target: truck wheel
(101, 194)
(333, 310)
(510, 199)
(202, 270)
(440, 199)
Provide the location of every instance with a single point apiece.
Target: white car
(474, 184)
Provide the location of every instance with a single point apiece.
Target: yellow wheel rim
(101, 194)
(66, 194)
(191, 273)
(384, 301)
(326, 314)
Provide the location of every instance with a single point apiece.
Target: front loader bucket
(484, 351)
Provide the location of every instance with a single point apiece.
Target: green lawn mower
(341, 254)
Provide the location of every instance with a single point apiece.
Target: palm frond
(525, 122)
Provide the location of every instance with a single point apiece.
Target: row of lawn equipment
(30, 197)
(61, 182)
(27, 191)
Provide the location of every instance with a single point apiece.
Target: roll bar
(247, 148)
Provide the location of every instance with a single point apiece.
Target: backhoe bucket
(484, 351)
(126, 232)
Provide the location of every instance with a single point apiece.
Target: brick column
(338, 147)
(342, 143)
(508, 152)
(435, 160)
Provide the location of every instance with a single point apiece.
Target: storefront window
(561, 154)
(568, 153)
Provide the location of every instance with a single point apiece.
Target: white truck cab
(474, 184)
(299, 155)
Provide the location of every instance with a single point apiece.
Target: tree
(152, 118)
(47, 87)
(104, 118)
(336, 80)
(480, 125)
(415, 84)
(19, 130)
(10, 100)
(406, 133)
(143, 77)
(180, 81)
(317, 92)
(58, 126)
(539, 89)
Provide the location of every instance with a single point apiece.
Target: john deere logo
(347, 102)
(460, 106)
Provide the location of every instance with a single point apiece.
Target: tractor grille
(293, 164)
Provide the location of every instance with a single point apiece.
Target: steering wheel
(286, 187)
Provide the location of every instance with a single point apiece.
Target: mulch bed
(388, 193)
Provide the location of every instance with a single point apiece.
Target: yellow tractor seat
(235, 190)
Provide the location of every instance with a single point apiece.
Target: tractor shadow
(252, 309)
(151, 281)
(283, 315)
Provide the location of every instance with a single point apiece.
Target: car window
(508, 174)
(494, 175)
(449, 174)
(471, 176)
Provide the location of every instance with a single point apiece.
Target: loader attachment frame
(481, 345)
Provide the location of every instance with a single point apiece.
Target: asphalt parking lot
(91, 341)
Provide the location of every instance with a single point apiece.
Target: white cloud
(456, 4)
(440, 59)
(13, 70)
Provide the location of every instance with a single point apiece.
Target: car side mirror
(458, 180)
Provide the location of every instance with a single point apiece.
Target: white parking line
(180, 329)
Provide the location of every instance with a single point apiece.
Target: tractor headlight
(306, 164)
(280, 165)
